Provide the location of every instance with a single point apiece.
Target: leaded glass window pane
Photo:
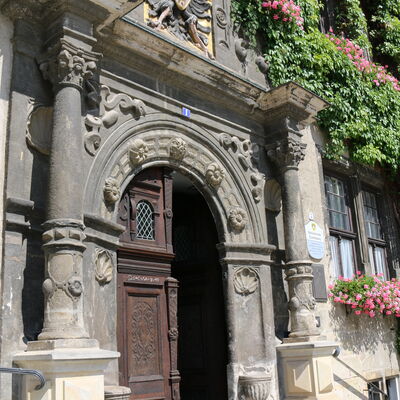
(336, 199)
(144, 220)
(372, 224)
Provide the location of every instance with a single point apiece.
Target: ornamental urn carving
(215, 174)
(255, 387)
(237, 219)
(138, 152)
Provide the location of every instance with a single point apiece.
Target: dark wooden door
(147, 295)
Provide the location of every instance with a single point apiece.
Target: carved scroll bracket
(112, 109)
(247, 155)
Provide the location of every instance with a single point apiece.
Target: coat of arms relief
(187, 20)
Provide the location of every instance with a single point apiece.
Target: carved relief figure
(181, 18)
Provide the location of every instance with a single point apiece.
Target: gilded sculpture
(186, 19)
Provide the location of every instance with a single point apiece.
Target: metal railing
(22, 371)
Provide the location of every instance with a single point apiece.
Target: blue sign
(185, 112)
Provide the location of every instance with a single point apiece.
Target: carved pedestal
(71, 374)
(307, 370)
(117, 393)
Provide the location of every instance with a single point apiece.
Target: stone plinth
(71, 374)
(307, 370)
(116, 393)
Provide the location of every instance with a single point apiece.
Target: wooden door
(147, 295)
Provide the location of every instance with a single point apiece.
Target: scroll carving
(247, 154)
(112, 108)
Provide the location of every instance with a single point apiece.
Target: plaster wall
(367, 345)
(6, 32)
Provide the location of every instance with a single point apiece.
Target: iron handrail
(22, 371)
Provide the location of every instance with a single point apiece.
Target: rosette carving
(215, 175)
(138, 152)
(111, 191)
(177, 149)
(237, 219)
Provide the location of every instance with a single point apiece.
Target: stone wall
(6, 31)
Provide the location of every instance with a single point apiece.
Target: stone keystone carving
(245, 280)
(112, 108)
(286, 153)
(177, 149)
(215, 175)
(237, 219)
(103, 266)
(138, 152)
(67, 65)
(111, 191)
(255, 387)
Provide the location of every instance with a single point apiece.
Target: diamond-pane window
(144, 220)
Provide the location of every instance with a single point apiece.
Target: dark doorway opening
(202, 350)
(166, 256)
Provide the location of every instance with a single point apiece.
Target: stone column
(286, 154)
(305, 359)
(66, 66)
(72, 363)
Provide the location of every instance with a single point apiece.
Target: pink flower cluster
(355, 53)
(285, 10)
(377, 297)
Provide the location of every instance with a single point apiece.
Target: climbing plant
(364, 116)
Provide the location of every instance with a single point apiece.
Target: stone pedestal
(70, 373)
(307, 370)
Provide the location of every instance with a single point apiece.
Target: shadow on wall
(350, 388)
(360, 333)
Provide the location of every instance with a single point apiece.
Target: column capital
(65, 64)
(286, 153)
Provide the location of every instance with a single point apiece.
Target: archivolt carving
(103, 266)
(138, 152)
(111, 191)
(177, 148)
(247, 153)
(237, 219)
(112, 108)
(153, 147)
(245, 280)
(215, 174)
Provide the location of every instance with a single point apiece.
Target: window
(144, 220)
(376, 244)
(342, 236)
(378, 391)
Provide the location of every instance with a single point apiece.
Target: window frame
(339, 234)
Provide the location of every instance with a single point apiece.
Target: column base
(70, 373)
(307, 370)
(117, 393)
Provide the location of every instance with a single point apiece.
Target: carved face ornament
(215, 174)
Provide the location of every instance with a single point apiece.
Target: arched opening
(171, 323)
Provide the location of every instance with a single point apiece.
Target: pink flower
(331, 286)
(358, 272)
(276, 16)
(366, 287)
(357, 312)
